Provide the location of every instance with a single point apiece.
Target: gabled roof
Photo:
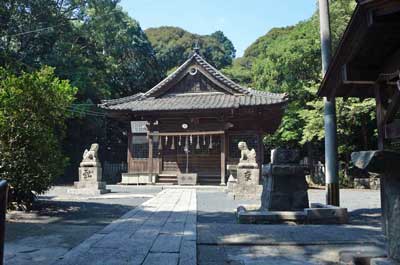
(231, 96)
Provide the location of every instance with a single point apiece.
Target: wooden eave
(368, 48)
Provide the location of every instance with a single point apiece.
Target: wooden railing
(112, 172)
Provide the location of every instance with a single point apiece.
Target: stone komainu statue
(90, 157)
(247, 156)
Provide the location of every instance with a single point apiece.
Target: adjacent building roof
(219, 92)
(372, 37)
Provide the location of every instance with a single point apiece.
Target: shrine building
(192, 122)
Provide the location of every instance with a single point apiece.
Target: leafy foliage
(92, 43)
(174, 45)
(33, 109)
(289, 60)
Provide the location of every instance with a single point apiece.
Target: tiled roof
(206, 66)
(236, 97)
(200, 101)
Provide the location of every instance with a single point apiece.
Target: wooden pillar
(223, 159)
(261, 154)
(129, 152)
(379, 116)
(150, 159)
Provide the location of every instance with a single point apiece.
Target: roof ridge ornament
(196, 48)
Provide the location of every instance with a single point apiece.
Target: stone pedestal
(187, 179)
(285, 186)
(387, 164)
(89, 182)
(247, 184)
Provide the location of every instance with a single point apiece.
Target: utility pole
(331, 164)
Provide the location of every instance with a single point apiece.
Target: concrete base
(136, 178)
(363, 257)
(246, 192)
(187, 179)
(317, 214)
(89, 188)
(88, 191)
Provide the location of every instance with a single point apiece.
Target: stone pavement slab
(160, 231)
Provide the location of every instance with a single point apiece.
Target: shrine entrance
(191, 122)
(203, 157)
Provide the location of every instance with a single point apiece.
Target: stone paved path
(160, 231)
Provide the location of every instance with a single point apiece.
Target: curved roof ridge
(133, 97)
(169, 77)
(220, 76)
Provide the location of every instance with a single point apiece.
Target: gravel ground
(363, 205)
(61, 221)
(222, 241)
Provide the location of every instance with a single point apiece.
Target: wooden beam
(358, 82)
(379, 116)
(185, 133)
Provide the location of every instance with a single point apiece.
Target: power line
(32, 31)
(61, 24)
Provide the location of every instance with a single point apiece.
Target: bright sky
(242, 21)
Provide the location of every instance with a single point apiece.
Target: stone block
(361, 183)
(270, 217)
(285, 156)
(187, 179)
(287, 170)
(188, 253)
(167, 243)
(162, 258)
(92, 174)
(326, 214)
(89, 185)
(129, 178)
(88, 192)
(284, 188)
(382, 261)
(247, 192)
(89, 182)
(248, 176)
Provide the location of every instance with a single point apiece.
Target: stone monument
(247, 184)
(90, 174)
(285, 187)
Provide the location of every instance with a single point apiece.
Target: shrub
(33, 108)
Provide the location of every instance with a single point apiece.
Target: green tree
(289, 60)
(174, 45)
(92, 43)
(33, 109)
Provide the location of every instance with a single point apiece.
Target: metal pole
(331, 164)
(3, 210)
